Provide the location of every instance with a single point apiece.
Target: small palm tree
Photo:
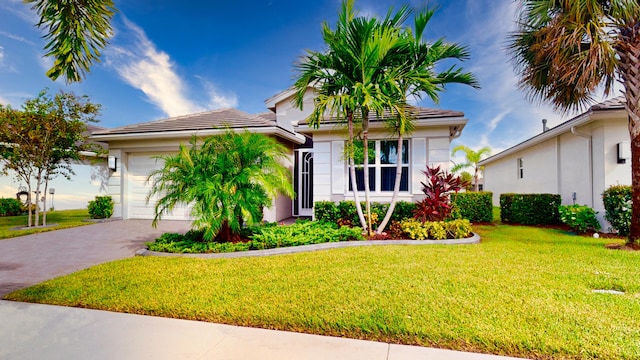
(565, 50)
(472, 160)
(227, 180)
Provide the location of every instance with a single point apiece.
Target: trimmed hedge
(345, 213)
(530, 209)
(474, 206)
(617, 204)
(10, 207)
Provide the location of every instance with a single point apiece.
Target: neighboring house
(577, 159)
(318, 166)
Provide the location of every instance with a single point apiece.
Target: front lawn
(61, 218)
(523, 291)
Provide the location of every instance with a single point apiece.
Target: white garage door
(140, 166)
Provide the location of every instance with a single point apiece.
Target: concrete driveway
(31, 259)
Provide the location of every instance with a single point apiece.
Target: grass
(523, 291)
(62, 218)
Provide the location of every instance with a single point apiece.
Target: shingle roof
(207, 120)
(614, 103)
(420, 113)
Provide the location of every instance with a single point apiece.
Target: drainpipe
(574, 131)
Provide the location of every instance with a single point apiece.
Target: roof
(202, 123)
(420, 113)
(613, 104)
(214, 119)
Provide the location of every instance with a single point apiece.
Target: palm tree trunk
(475, 179)
(365, 139)
(396, 187)
(352, 171)
(629, 67)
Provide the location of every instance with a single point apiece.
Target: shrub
(348, 212)
(264, 237)
(436, 204)
(617, 204)
(436, 230)
(101, 207)
(326, 211)
(474, 206)
(10, 207)
(403, 210)
(579, 217)
(530, 209)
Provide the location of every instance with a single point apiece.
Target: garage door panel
(140, 166)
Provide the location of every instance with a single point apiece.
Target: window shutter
(337, 167)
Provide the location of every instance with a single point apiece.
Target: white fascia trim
(451, 121)
(581, 120)
(294, 137)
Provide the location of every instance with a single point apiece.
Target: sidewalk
(34, 331)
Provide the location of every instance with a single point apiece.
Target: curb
(475, 239)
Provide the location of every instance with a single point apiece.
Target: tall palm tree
(472, 159)
(564, 50)
(227, 180)
(416, 76)
(76, 32)
(352, 80)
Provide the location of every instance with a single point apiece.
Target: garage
(140, 165)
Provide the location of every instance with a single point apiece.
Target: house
(319, 170)
(577, 159)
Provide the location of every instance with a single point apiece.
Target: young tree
(564, 50)
(228, 179)
(472, 160)
(41, 141)
(76, 32)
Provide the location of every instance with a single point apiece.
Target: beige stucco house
(319, 170)
(577, 159)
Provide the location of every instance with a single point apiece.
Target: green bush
(348, 212)
(530, 209)
(617, 204)
(10, 207)
(403, 210)
(436, 230)
(265, 237)
(579, 217)
(474, 206)
(101, 207)
(326, 211)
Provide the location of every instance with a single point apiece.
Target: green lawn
(522, 291)
(62, 218)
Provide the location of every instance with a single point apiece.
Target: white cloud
(144, 67)
(217, 98)
(16, 38)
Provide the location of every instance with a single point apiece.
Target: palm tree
(76, 32)
(352, 78)
(417, 77)
(564, 50)
(370, 66)
(472, 158)
(227, 180)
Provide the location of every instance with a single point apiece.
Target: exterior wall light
(624, 152)
(112, 163)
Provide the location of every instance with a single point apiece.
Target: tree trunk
(365, 164)
(628, 50)
(396, 187)
(352, 171)
(475, 180)
(44, 204)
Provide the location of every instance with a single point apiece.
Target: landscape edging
(313, 247)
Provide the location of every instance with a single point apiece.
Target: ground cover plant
(59, 219)
(258, 238)
(522, 291)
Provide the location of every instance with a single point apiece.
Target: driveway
(31, 259)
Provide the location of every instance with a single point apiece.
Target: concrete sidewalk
(34, 331)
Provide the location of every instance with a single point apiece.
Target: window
(382, 159)
(520, 169)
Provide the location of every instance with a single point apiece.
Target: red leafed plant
(436, 205)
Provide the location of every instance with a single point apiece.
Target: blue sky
(170, 58)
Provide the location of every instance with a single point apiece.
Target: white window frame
(377, 168)
(520, 166)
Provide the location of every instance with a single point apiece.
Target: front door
(305, 182)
